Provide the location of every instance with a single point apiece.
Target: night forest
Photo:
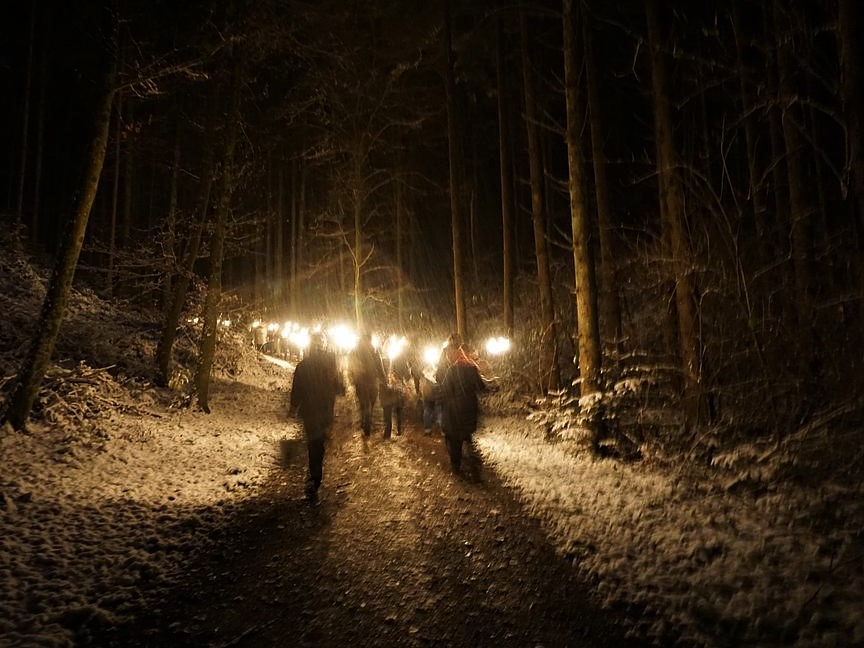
(661, 203)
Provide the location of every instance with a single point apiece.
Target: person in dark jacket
(459, 388)
(366, 371)
(317, 383)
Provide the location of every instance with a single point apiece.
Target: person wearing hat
(317, 383)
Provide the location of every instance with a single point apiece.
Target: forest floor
(398, 551)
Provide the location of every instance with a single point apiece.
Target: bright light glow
(299, 338)
(376, 341)
(394, 346)
(226, 323)
(431, 355)
(272, 326)
(342, 337)
(256, 324)
(497, 345)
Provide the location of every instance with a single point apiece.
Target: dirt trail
(398, 552)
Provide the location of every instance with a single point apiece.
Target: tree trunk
(207, 346)
(756, 194)
(295, 213)
(25, 119)
(280, 236)
(169, 252)
(189, 255)
(610, 303)
(36, 363)
(580, 224)
(800, 211)
(506, 163)
(40, 145)
(548, 342)
(851, 55)
(674, 227)
(115, 193)
(357, 207)
(455, 180)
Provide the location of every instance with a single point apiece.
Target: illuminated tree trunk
(674, 227)
(548, 341)
(455, 180)
(47, 328)
(207, 345)
(609, 299)
(507, 199)
(580, 224)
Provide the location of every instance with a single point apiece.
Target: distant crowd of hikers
(448, 394)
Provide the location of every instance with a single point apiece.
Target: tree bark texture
(580, 222)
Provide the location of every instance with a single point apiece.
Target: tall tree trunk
(40, 144)
(800, 211)
(115, 192)
(580, 224)
(400, 225)
(25, 119)
(357, 251)
(169, 251)
(851, 57)
(610, 302)
(549, 338)
(207, 346)
(36, 363)
(128, 179)
(189, 255)
(295, 214)
(506, 164)
(674, 226)
(755, 193)
(455, 154)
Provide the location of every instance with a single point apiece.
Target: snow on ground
(709, 564)
(92, 529)
(87, 528)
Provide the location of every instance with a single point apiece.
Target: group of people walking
(449, 396)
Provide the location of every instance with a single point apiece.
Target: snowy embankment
(716, 568)
(91, 532)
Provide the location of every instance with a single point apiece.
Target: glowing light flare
(394, 346)
(256, 324)
(431, 355)
(342, 337)
(497, 345)
(299, 338)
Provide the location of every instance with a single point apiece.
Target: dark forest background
(660, 202)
